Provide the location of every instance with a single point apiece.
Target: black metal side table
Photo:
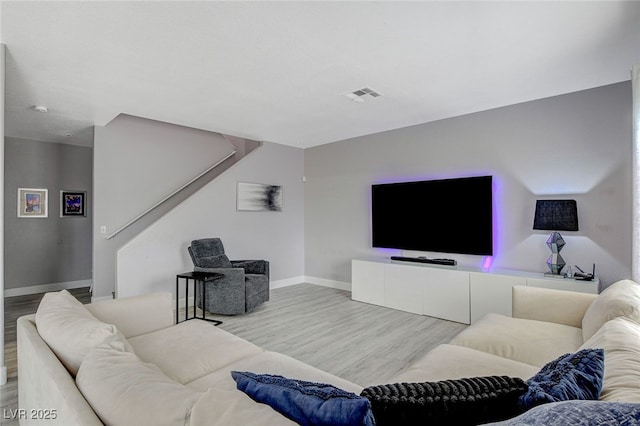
(198, 278)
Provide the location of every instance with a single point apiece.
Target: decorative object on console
(556, 215)
(306, 403)
(467, 401)
(585, 276)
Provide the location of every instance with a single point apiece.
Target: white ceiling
(277, 71)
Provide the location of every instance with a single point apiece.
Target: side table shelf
(198, 278)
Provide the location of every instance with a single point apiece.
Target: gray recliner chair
(242, 286)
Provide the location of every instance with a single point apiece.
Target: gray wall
(575, 146)
(50, 250)
(137, 163)
(151, 261)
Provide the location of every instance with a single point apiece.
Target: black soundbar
(448, 262)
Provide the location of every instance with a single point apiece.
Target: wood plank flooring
(323, 327)
(320, 326)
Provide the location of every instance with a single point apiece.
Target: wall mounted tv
(448, 216)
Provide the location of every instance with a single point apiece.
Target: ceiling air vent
(361, 95)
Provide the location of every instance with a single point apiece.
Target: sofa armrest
(252, 266)
(136, 315)
(545, 304)
(44, 384)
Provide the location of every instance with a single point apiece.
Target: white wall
(140, 161)
(575, 146)
(137, 163)
(151, 261)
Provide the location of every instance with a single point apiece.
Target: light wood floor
(323, 327)
(320, 326)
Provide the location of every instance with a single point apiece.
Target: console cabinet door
(491, 293)
(367, 282)
(446, 295)
(403, 288)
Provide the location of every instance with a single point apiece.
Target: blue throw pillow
(571, 376)
(578, 413)
(306, 403)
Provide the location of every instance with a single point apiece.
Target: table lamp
(556, 215)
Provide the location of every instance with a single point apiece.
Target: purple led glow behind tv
(447, 216)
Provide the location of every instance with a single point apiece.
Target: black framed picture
(73, 203)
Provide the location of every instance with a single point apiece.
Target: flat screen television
(447, 216)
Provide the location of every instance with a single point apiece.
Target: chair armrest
(136, 315)
(545, 304)
(252, 266)
(228, 275)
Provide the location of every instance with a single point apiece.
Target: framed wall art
(32, 202)
(73, 203)
(258, 197)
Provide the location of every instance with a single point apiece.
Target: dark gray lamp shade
(556, 215)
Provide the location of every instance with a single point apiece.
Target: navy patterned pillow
(571, 376)
(306, 403)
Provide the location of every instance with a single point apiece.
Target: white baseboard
(287, 282)
(273, 285)
(43, 288)
(311, 280)
(328, 283)
(101, 298)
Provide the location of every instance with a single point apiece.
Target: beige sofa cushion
(456, 362)
(271, 363)
(225, 406)
(529, 341)
(550, 305)
(620, 299)
(620, 339)
(123, 390)
(136, 315)
(191, 349)
(70, 330)
(234, 408)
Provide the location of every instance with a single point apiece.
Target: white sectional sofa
(546, 324)
(146, 370)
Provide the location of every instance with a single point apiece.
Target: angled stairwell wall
(142, 169)
(150, 261)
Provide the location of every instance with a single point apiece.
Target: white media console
(449, 292)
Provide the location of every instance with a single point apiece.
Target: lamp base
(555, 262)
(556, 276)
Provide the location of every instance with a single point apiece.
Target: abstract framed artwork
(33, 203)
(259, 197)
(72, 203)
